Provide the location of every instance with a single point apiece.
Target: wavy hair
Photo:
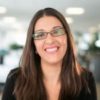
(29, 84)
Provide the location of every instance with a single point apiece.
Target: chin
(53, 62)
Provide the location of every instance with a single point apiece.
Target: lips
(51, 49)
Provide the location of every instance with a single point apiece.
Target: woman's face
(51, 49)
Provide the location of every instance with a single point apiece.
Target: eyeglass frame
(51, 33)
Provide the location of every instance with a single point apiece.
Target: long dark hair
(29, 84)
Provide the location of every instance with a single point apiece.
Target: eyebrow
(55, 27)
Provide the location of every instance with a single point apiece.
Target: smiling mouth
(52, 50)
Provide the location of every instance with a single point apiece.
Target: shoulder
(90, 85)
(13, 73)
(9, 85)
(12, 76)
(88, 76)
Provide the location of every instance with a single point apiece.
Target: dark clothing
(10, 83)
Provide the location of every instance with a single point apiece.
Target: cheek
(63, 41)
(38, 46)
(64, 44)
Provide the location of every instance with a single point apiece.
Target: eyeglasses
(55, 32)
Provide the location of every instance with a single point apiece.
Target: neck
(51, 72)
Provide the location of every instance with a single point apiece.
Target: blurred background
(83, 17)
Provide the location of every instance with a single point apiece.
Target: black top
(10, 83)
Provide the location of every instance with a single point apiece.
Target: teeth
(51, 49)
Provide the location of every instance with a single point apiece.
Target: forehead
(47, 23)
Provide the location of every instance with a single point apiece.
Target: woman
(48, 67)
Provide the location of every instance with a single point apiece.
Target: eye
(39, 35)
(58, 32)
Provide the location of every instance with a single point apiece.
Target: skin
(47, 23)
(51, 50)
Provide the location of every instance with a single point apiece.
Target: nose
(49, 39)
